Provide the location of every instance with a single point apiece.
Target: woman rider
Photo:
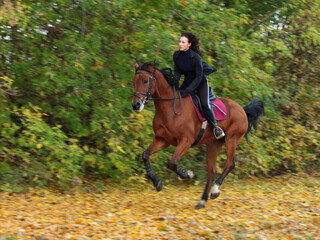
(188, 62)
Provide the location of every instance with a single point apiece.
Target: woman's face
(184, 44)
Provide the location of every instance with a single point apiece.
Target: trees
(72, 64)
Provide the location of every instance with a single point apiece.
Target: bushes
(279, 146)
(72, 67)
(34, 152)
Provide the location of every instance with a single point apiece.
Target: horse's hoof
(200, 206)
(214, 195)
(191, 174)
(159, 185)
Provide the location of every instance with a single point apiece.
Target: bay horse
(176, 123)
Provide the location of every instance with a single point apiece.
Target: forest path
(285, 207)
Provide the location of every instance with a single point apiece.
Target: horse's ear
(136, 66)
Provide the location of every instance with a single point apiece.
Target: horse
(176, 123)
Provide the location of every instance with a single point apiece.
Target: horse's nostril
(136, 105)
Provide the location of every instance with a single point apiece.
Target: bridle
(148, 94)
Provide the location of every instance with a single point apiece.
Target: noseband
(148, 94)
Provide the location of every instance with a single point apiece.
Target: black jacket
(201, 68)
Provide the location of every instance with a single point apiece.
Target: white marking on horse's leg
(191, 174)
(215, 189)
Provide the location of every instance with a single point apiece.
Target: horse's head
(144, 85)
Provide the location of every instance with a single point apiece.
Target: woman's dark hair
(194, 40)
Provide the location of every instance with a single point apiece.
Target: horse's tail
(254, 111)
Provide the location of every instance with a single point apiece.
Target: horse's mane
(166, 72)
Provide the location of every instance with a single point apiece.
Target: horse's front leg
(181, 149)
(157, 145)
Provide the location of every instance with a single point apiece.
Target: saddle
(219, 109)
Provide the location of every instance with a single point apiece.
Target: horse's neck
(165, 91)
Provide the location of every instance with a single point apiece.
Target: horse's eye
(145, 81)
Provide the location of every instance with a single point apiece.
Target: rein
(148, 94)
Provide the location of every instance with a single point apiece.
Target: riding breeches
(203, 93)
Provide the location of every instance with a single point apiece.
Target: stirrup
(221, 135)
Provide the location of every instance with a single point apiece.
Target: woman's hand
(183, 93)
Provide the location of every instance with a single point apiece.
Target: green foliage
(65, 79)
(37, 153)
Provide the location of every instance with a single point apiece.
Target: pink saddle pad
(220, 110)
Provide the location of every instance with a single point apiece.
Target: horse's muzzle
(138, 105)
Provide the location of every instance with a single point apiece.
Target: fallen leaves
(279, 208)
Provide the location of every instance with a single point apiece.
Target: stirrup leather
(221, 135)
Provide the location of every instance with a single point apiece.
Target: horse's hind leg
(157, 145)
(213, 149)
(231, 145)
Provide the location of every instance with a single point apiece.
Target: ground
(285, 207)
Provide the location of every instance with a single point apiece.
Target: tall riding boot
(217, 131)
